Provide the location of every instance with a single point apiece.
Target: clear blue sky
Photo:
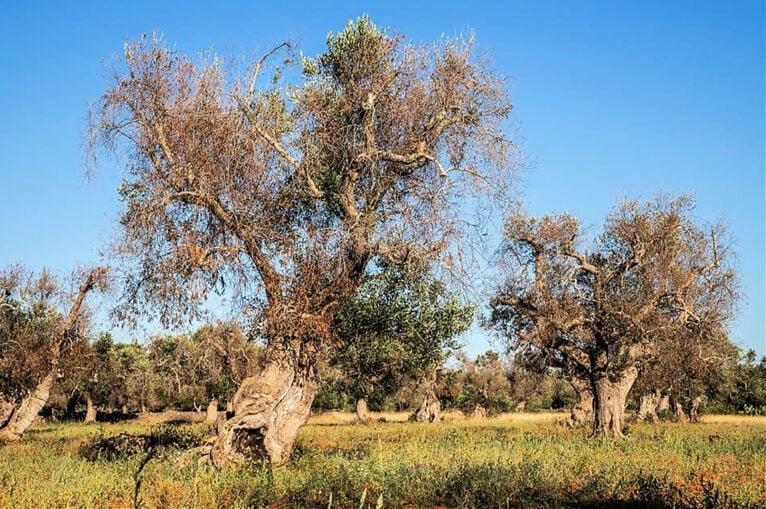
(612, 98)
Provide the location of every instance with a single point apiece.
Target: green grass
(526, 462)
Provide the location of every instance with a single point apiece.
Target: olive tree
(40, 320)
(286, 192)
(400, 325)
(603, 314)
(688, 364)
(482, 385)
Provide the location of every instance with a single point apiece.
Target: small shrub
(126, 445)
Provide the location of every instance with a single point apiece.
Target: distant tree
(39, 321)
(107, 376)
(101, 381)
(227, 359)
(482, 386)
(602, 314)
(400, 325)
(202, 368)
(288, 194)
(687, 365)
(179, 364)
(742, 387)
(534, 385)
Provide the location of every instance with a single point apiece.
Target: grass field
(515, 460)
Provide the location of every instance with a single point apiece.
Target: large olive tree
(603, 314)
(287, 192)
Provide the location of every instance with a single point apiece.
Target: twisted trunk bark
(664, 404)
(269, 409)
(28, 410)
(648, 405)
(609, 402)
(362, 413)
(479, 412)
(694, 411)
(211, 414)
(678, 409)
(90, 410)
(582, 411)
(430, 410)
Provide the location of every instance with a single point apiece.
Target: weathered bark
(28, 410)
(664, 404)
(648, 405)
(582, 411)
(678, 409)
(362, 413)
(6, 411)
(268, 410)
(694, 410)
(211, 414)
(430, 409)
(90, 409)
(479, 412)
(609, 402)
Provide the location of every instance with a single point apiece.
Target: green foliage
(333, 395)
(400, 325)
(483, 382)
(741, 386)
(499, 386)
(347, 49)
(118, 374)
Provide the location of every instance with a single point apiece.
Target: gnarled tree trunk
(648, 404)
(609, 402)
(90, 409)
(694, 415)
(362, 413)
(430, 409)
(664, 404)
(269, 409)
(211, 414)
(582, 411)
(678, 409)
(28, 410)
(479, 412)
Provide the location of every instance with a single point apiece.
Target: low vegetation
(513, 460)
